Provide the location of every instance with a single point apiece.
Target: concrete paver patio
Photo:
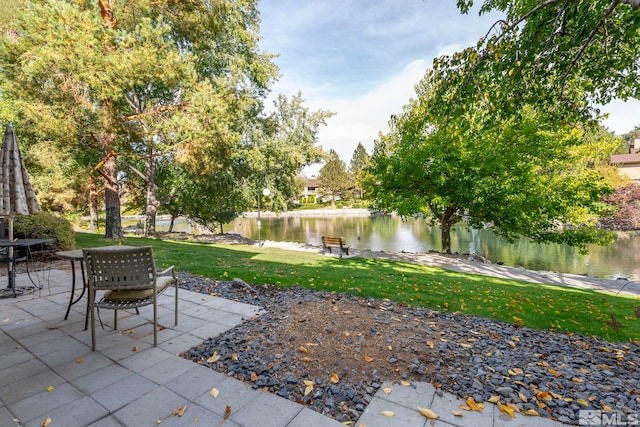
(47, 370)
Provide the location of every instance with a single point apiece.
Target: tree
(140, 79)
(333, 178)
(359, 161)
(280, 145)
(543, 49)
(521, 175)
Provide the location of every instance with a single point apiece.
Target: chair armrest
(167, 270)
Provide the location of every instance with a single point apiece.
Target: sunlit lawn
(534, 305)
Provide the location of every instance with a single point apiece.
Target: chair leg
(176, 306)
(155, 322)
(93, 326)
(115, 320)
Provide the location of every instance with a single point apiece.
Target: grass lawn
(535, 305)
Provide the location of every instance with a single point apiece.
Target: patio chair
(130, 280)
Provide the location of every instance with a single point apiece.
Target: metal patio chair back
(129, 280)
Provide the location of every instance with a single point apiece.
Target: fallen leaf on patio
(494, 399)
(347, 423)
(301, 349)
(308, 383)
(214, 392)
(46, 422)
(234, 357)
(522, 397)
(456, 413)
(308, 389)
(387, 390)
(367, 358)
(81, 360)
(128, 331)
(583, 402)
(577, 380)
(196, 419)
(50, 388)
(214, 358)
(335, 378)
(507, 410)
(405, 383)
(227, 412)
(515, 371)
(254, 377)
(513, 406)
(473, 405)
(306, 359)
(531, 412)
(179, 411)
(388, 413)
(135, 348)
(428, 413)
(465, 407)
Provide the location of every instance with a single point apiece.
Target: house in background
(311, 189)
(629, 164)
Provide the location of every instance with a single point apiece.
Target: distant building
(311, 189)
(629, 164)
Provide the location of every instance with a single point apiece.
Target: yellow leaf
(302, 349)
(308, 383)
(583, 402)
(507, 410)
(81, 360)
(308, 389)
(577, 380)
(50, 388)
(473, 405)
(347, 423)
(515, 371)
(134, 348)
(335, 378)
(405, 383)
(46, 422)
(531, 412)
(522, 397)
(254, 377)
(179, 411)
(306, 359)
(388, 413)
(387, 390)
(494, 399)
(234, 357)
(214, 392)
(465, 407)
(513, 407)
(606, 407)
(367, 358)
(214, 358)
(544, 395)
(428, 413)
(456, 413)
(555, 373)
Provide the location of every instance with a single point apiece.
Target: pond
(392, 234)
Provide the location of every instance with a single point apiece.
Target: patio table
(12, 257)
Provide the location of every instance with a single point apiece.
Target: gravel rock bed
(332, 352)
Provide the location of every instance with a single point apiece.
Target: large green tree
(137, 79)
(522, 175)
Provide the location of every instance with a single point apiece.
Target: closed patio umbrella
(17, 196)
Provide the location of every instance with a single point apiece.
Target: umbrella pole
(12, 277)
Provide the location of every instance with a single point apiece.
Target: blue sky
(362, 58)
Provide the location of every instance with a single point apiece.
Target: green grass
(538, 306)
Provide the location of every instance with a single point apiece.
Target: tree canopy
(333, 179)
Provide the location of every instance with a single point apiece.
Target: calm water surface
(392, 234)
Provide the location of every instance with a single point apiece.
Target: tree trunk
(93, 204)
(113, 222)
(173, 218)
(333, 201)
(152, 191)
(446, 237)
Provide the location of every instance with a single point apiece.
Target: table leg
(73, 289)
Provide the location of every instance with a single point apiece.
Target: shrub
(45, 225)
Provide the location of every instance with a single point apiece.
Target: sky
(362, 58)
